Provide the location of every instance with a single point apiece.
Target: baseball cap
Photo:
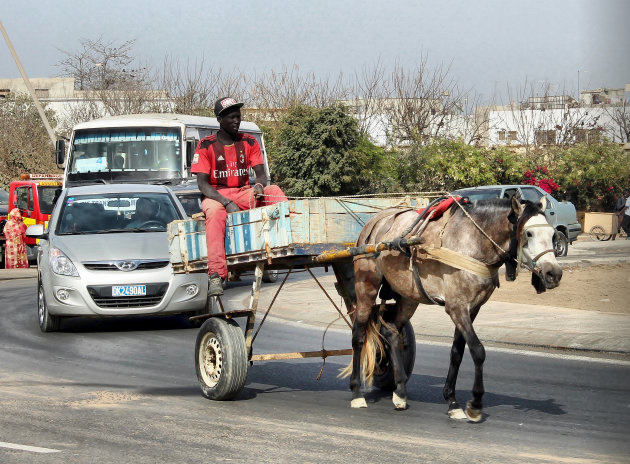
(224, 104)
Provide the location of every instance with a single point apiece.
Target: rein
(466, 263)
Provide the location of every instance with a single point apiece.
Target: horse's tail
(373, 349)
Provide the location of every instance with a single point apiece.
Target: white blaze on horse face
(538, 239)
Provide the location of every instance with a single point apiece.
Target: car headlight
(61, 264)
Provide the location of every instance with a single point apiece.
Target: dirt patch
(604, 288)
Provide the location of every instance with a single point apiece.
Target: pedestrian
(625, 223)
(619, 210)
(221, 163)
(15, 248)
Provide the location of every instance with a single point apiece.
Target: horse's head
(532, 245)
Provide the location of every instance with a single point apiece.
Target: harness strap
(537, 257)
(416, 278)
(459, 261)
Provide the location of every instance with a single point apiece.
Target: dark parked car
(560, 214)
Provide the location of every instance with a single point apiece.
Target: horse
(454, 265)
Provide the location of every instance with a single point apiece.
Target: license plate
(129, 290)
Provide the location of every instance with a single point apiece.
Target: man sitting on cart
(221, 163)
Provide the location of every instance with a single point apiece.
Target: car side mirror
(190, 151)
(60, 151)
(36, 231)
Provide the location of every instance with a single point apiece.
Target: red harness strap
(440, 208)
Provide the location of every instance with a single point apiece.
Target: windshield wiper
(113, 231)
(153, 229)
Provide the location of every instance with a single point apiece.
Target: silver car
(106, 253)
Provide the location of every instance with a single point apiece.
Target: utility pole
(29, 86)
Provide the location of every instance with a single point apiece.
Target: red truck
(34, 196)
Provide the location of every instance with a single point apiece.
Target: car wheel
(560, 244)
(270, 276)
(47, 322)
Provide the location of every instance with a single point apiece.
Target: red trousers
(216, 216)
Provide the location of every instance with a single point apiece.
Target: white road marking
(34, 449)
(540, 354)
(523, 351)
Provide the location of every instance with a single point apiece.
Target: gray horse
(456, 266)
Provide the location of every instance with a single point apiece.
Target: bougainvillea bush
(590, 176)
(540, 176)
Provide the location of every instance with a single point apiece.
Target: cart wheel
(220, 359)
(598, 233)
(270, 276)
(384, 375)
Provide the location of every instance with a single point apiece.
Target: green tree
(320, 152)
(446, 165)
(589, 175)
(24, 143)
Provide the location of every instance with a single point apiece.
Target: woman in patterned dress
(15, 252)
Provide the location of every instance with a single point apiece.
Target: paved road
(126, 391)
(528, 326)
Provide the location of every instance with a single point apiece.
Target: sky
(489, 46)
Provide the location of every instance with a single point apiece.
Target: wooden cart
(289, 235)
(601, 226)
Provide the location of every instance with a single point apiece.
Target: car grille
(111, 265)
(101, 294)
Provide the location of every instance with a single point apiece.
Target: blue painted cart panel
(291, 228)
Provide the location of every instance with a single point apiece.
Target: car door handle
(551, 213)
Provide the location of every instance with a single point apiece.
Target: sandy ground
(604, 288)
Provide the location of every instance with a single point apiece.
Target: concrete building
(69, 105)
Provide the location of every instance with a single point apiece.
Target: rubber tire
(212, 306)
(560, 244)
(598, 233)
(223, 340)
(385, 379)
(270, 276)
(47, 321)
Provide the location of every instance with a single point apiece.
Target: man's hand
(258, 190)
(231, 207)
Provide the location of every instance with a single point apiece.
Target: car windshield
(125, 154)
(4, 196)
(191, 202)
(115, 213)
(46, 196)
(478, 194)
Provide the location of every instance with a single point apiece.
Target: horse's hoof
(457, 414)
(473, 414)
(358, 403)
(399, 403)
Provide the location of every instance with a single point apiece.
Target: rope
(363, 195)
(477, 225)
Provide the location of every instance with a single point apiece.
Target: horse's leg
(404, 310)
(457, 351)
(367, 283)
(465, 334)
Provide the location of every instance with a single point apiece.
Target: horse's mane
(490, 207)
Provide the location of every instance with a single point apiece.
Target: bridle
(515, 252)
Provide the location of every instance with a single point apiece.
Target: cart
(292, 235)
(601, 226)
